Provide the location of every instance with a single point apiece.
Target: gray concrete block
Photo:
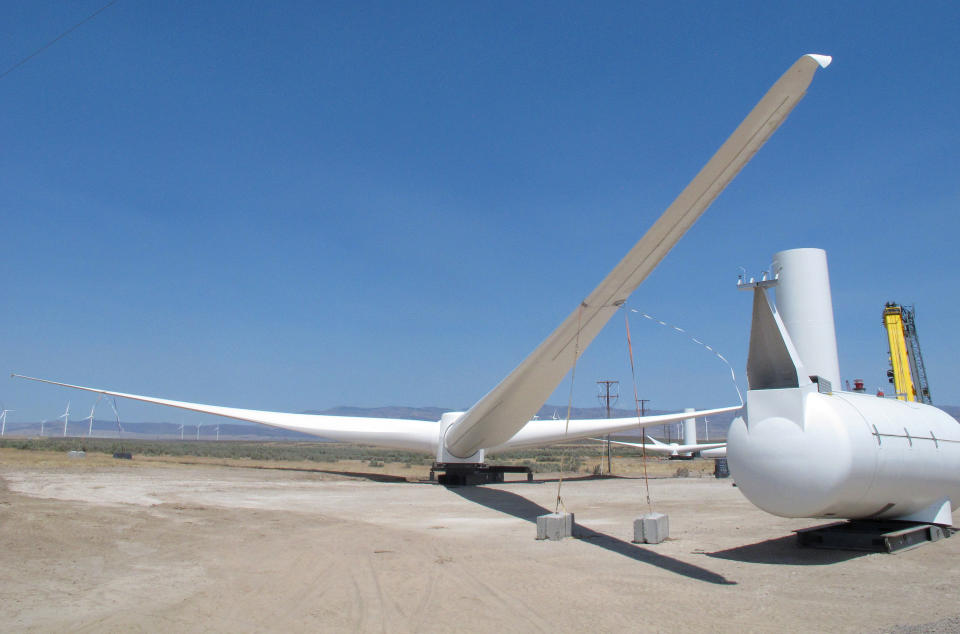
(651, 528)
(555, 526)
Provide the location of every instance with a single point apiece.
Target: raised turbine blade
(507, 408)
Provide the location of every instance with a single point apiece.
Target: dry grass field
(583, 458)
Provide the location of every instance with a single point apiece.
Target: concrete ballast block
(555, 526)
(651, 528)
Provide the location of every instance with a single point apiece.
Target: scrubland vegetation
(578, 457)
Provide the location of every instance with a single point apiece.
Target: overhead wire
(733, 375)
(58, 38)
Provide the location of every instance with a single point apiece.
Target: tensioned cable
(58, 38)
(566, 429)
(733, 375)
(636, 401)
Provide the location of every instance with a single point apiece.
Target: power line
(58, 38)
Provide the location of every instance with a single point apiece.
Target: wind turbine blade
(537, 433)
(398, 433)
(649, 448)
(504, 410)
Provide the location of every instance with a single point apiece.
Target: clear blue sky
(300, 205)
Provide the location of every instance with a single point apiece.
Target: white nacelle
(447, 420)
(845, 455)
(807, 451)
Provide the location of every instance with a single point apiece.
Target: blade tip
(823, 60)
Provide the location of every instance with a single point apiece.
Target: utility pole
(643, 412)
(609, 393)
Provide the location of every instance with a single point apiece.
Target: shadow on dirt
(785, 551)
(520, 507)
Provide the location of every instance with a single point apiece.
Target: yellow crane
(907, 373)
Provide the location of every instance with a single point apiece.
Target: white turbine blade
(659, 446)
(537, 433)
(416, 435)
(652, 447)
(504, 410)
(702, 446)
(719, 452)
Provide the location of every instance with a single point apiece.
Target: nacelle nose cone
(788, 469)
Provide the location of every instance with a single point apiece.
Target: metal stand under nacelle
(884, 536)
(467, 474)
(457, 471)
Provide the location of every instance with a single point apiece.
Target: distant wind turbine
(218, 432)
(92, 410)
(181, 431)
(42, 423)
(3, 421)
(198, 430)
(66, 419)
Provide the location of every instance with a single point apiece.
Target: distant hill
(160, 431)
(953, 410)
(434, 413)
(390, 411)
(715, 428)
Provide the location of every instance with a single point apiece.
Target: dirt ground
(96, 544)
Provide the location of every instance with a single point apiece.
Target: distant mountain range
(714, 428)
(249, 431)
(953, 410)
(434, 413)
(390, 411)
(159, 431)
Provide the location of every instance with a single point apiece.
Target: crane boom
(907, 372)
